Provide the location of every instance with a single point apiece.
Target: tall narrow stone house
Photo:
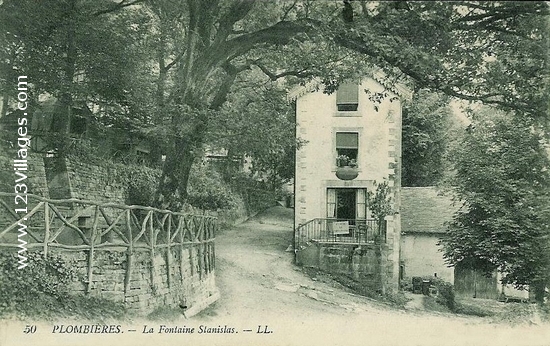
(352, 143)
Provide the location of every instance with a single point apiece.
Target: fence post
(169, 251)
(90, 262)
(47, 227)
(181, 224)
(200, 245)
(191, 229)
(152, 250)
(129, 254)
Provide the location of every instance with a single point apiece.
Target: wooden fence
(79, 225)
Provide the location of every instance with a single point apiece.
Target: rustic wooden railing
(80, 225)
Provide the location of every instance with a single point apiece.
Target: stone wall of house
(421, 257)
(181, 276)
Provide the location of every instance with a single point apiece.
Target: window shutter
(331, 203)
(361, 210)
(347, 93)
(347, 140)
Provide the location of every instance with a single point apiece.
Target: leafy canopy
(502, 179)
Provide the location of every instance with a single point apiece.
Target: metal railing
(330, 230)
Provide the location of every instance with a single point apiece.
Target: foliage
(43, 277)
(426, 122)
(256, 194)
(6, 172)
(344, 160)
(380, 202)
(207, 190)
(169, 67)
(395, 299)
(471, 310)
(503, 182)
(141, 183)
(42, 291)
(487, 51)
(257, 122)
(165, 313)
(445, 293)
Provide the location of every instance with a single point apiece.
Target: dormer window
(347, 97)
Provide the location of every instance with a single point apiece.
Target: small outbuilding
(424, 214)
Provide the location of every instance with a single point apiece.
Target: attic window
(347, 97)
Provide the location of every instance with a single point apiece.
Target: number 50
(29, 329)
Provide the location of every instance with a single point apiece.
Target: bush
(207, 190)
(41, 291)
(141, 183)
(446, 293)
(35, 287)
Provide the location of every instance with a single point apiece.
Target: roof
(378, 75)
(425, 210)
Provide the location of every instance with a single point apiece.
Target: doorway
(346, 204)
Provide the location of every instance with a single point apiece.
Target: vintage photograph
(274, 172)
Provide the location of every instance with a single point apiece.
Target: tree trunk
(208, 53)
(70, 68)
(172, 190)
(539, 288)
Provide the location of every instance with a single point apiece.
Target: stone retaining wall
(366, 263)
(185, 277)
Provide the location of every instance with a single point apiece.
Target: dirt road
(261, 287)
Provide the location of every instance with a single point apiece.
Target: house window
(347, 97)
(346, 204)
(347, 143)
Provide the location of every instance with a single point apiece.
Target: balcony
(352, 231)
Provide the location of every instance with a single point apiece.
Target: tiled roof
(425, 210)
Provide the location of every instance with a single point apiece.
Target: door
(346, 204)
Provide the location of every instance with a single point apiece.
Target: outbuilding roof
(425, 210)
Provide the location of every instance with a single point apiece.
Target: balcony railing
(354, 231)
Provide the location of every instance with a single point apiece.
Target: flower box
(347, 173)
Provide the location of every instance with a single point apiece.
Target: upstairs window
(347, 97)
(347, 143)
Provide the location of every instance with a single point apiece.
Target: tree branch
(287, 11)
(279, 33)
(236, 12)
(117, 6)
(503, 12)
(296, 73)
(173, 62)
(225, 87)
(426, 80)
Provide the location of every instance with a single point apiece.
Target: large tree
(494, 52)
(74, 50)
(502, 182)
(484, 51)
(427, 122)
